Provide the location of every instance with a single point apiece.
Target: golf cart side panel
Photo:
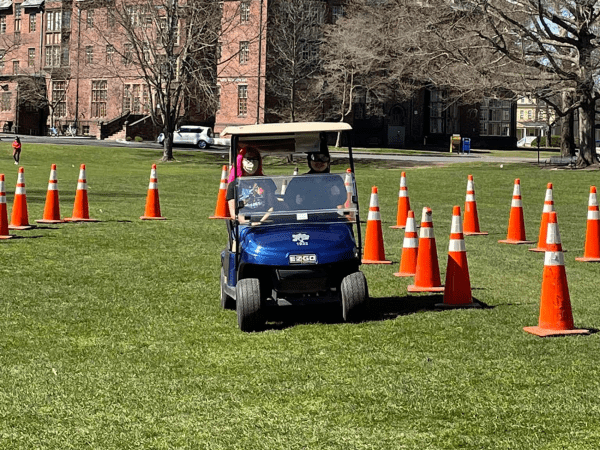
(329, 243)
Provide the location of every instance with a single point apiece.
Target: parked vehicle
(201, 137)
(303, 250)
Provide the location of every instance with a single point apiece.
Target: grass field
(112, 337)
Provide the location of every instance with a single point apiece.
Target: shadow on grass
(383, 308)
(388, 308)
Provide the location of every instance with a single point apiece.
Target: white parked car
(202, 137)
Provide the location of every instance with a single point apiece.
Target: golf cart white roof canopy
(287, 128)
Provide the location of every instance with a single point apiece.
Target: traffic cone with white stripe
(19, 218)
(403, 203)
(556, 316)
(349, 189)
(222, 209)
(3, 212)
(516, 223)
(81, 211)
(471, 225)
(152, 211)
(374, 252)
(591, 252)
(410, 248)
(548, 208)
(457, 288)
(427, 276)
(52, 205)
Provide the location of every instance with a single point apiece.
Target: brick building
(428, 118)
(67, 63)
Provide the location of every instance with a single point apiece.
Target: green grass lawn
(112, 337)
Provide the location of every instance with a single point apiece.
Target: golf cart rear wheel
(354, 297)
(226, 301)
(249, 314)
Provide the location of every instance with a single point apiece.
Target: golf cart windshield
(269, 200)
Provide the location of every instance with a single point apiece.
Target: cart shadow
(379, 309)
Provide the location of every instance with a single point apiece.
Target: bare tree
(482, 48)
(170, 45)
(295, 32)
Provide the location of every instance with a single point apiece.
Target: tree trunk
(587, 143)
(567, 137)
(168, 147)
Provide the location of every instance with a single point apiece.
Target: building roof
(286, 128)
(5, 4)
(32, 3)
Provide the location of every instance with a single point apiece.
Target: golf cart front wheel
(354, 297)
(249, 314)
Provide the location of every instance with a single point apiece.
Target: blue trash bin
(466, 145)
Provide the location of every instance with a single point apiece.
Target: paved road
(423, 158)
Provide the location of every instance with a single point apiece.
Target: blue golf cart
(300, 247)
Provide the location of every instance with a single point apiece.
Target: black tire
(249, 314)
(355, 295)
(202, 145)
(226, 301)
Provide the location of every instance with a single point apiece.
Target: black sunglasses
(318, 157)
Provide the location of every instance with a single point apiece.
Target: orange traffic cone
(52, 206)
(471, 225)
(516, 224)
(3, 213)
(152, 211)
(374, 251)
(410, 248)
(556, 317)
(19, 218)
(457, 290)
(222, 209)
(349, 190)
(592, 234)
(548, 208)
(80, 207)
(403, 203)
(427, 276)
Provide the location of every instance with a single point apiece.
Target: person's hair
(239, 169)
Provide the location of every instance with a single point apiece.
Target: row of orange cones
(20, 216)
(516, 225)
(420, 259)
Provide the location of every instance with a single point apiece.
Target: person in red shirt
(16, 149)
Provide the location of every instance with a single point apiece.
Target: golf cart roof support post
(350, 136)
(233, 165)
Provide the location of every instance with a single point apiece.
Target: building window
(111, 21)
(5, 103)
(127, 53)
(521, 114)
(110, 51)
(99, 98)
(218, 98)
(529, 114)
(32, 22)
(443, 115)
(17, 18)
(59, 90)
(53, 56)
(242, 100)
(89, 54)
(244, 52)
(89, 20)
(2, 53)
(337, 12)
(31, 57)
(2, 24)
(15, 67)
(136, 98)
(244, 12)
(494, 117)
